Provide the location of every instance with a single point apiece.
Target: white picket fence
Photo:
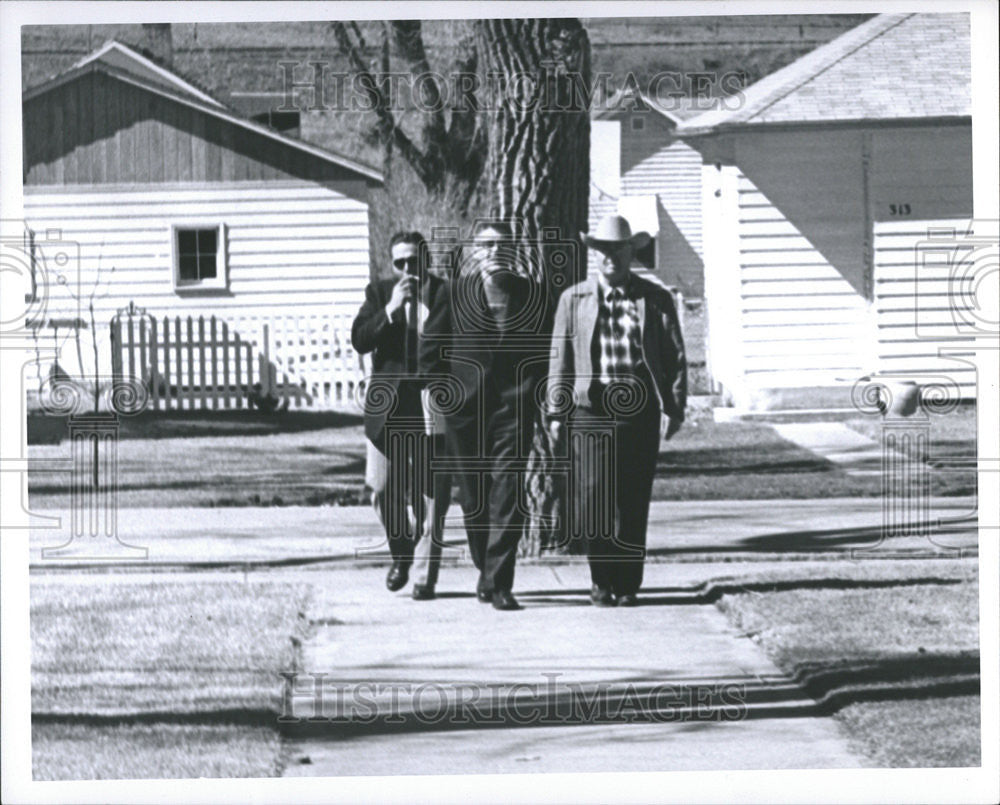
(209, 362)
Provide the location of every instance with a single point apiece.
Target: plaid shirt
(619, 335)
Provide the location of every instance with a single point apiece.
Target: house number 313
(899, 209)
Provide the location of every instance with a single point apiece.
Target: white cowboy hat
(612, 230)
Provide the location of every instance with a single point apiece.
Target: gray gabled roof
(892, 66)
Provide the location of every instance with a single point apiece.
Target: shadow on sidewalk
(655, 697)
(711, 591)
(815, 689)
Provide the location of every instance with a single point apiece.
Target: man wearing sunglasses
(401, 440)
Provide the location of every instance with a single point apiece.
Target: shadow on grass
(727, 461)
(45, 429)
(859, 537)
(711, 591)
(246, 717)
(913, 675)
(354, 467)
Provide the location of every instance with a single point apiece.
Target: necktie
(411, 336)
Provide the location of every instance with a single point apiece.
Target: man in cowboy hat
(617, 382)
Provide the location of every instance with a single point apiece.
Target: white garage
(825, 194)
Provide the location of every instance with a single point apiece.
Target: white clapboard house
(837, 198)
(641, 169)
(218, 254)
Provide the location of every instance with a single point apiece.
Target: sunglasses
(487, 244)
(405, 262)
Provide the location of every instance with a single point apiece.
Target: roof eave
(148, 64)
(877, 122)
(614, 107)
(220, 112)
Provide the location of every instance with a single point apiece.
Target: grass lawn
(865, 640)
(245, 459)
(941, 732)
(111, 664)
(952, 437)
(318, 467)
(128, 751)
(710, 460)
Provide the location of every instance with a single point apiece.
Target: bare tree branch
(409, 42)
(384, 64)
(448, 155)
(383, 68)
(466, 137)
(386, 127)
(362, 44)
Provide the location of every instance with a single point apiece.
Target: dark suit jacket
(492, 363)
(386, 340)
(574, 331)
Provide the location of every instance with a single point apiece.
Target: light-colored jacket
(571, 359)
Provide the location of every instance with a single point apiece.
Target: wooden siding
(287, 245)
(928, 169)
(655, 163)
(672, 172)
(800, 227)
(100, 130)
(825, 271)
(921, 304)
(293, 249)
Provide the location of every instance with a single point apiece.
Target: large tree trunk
(538, 77)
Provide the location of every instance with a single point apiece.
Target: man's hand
(402, 292)
(555, 430)
(668, 426)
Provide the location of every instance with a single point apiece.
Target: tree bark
(532, 109)
(539, 126)
(538, 80)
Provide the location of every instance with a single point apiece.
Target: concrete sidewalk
(388, 685)
(394, 686)
(856, 454)
(688, 530)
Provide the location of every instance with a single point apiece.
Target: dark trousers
(613, 460)
(404, 484)
(491, 454)
(399, 473)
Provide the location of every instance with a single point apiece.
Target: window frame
(218, 283)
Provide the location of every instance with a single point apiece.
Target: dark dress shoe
(628, 600)
(504, 600)
(397, 577)
(601, 596)
(422, 592)
(483, 593)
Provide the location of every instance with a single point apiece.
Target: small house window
(638, 123)
(199, 257)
